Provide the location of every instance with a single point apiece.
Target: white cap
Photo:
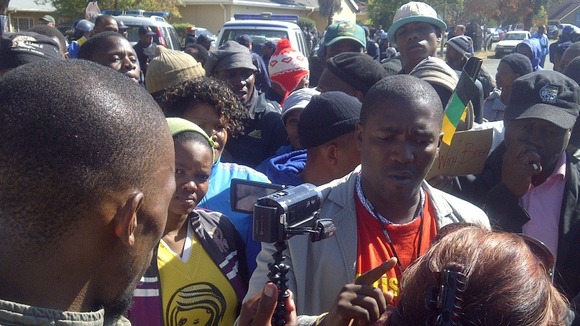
(297, 100)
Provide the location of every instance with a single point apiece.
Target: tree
(382, 11)
(76, 8)
(4, 6)
(328, 8)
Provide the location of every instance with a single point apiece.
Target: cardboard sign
(467, 154)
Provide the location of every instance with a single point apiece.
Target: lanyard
(383, 220)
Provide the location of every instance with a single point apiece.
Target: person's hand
(259, 309)
(520, 163)
(360, 301)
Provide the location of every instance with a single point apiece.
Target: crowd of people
(117, 161)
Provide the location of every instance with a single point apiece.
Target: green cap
(178, 125)
(345, 30)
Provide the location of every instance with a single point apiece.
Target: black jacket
(506, 214)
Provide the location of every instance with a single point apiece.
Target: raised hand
(360, 301)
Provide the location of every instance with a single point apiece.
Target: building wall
(213, 17)
(22, 20)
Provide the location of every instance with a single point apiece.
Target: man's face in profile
(151, 219)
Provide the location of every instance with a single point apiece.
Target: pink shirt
(544, 203)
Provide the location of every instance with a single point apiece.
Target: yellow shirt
(193, 288)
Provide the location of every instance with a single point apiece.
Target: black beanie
(326, 117)
(358, 70)
(519, 63)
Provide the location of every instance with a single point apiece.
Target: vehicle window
(168, 42)
(172, 34)
(259, 37)
(301, 44)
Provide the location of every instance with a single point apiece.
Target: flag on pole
(456, 107)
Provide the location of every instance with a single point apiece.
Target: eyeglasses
(537, 247)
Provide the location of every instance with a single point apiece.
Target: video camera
(281, 212)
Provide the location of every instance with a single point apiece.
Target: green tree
(306, 22)
(76, 8)
(383, 11)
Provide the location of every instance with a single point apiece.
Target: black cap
(244, 39)
(146, 30)
(359, 70)
(326, 117)
(270, 44)
(21, 48)
(546, 95)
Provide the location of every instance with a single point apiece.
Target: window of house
(23, 23)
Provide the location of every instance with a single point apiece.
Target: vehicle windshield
(515, 36)
(259, 37)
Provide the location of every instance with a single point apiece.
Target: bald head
(73, 132)
(404, 88)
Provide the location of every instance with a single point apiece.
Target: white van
(262, 30)
(165, 33)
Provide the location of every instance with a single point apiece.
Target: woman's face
(208, 119)
(193, 162)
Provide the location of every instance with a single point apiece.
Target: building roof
(288, 4)
(31, 6)
(564, 9)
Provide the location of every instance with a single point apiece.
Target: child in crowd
(198, 267)
(210, 104)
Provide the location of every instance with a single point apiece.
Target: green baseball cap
(344, 30)
(179, 125)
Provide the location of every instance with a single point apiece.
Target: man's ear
(331, 153)
(439, 144)
(126, 218)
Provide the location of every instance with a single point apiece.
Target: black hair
(401, 87)
(198, 52)
(92, 46)
(208, 90)
(573, 69)
(192, 136)
(51, 32)
(65, 146)
(102, 19)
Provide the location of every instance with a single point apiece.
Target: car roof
(260, 23)
(140, 20)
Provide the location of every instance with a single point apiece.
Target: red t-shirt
(374, 249)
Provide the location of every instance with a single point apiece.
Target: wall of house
(212, 16)
(207, 16)
(24, 20)
(345, 14)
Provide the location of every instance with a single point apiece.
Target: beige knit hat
(170, 68)
(437, 72)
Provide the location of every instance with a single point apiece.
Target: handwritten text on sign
(467, 154)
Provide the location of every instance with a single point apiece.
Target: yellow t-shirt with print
(193, 288)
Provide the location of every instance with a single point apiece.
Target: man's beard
(118, 308)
